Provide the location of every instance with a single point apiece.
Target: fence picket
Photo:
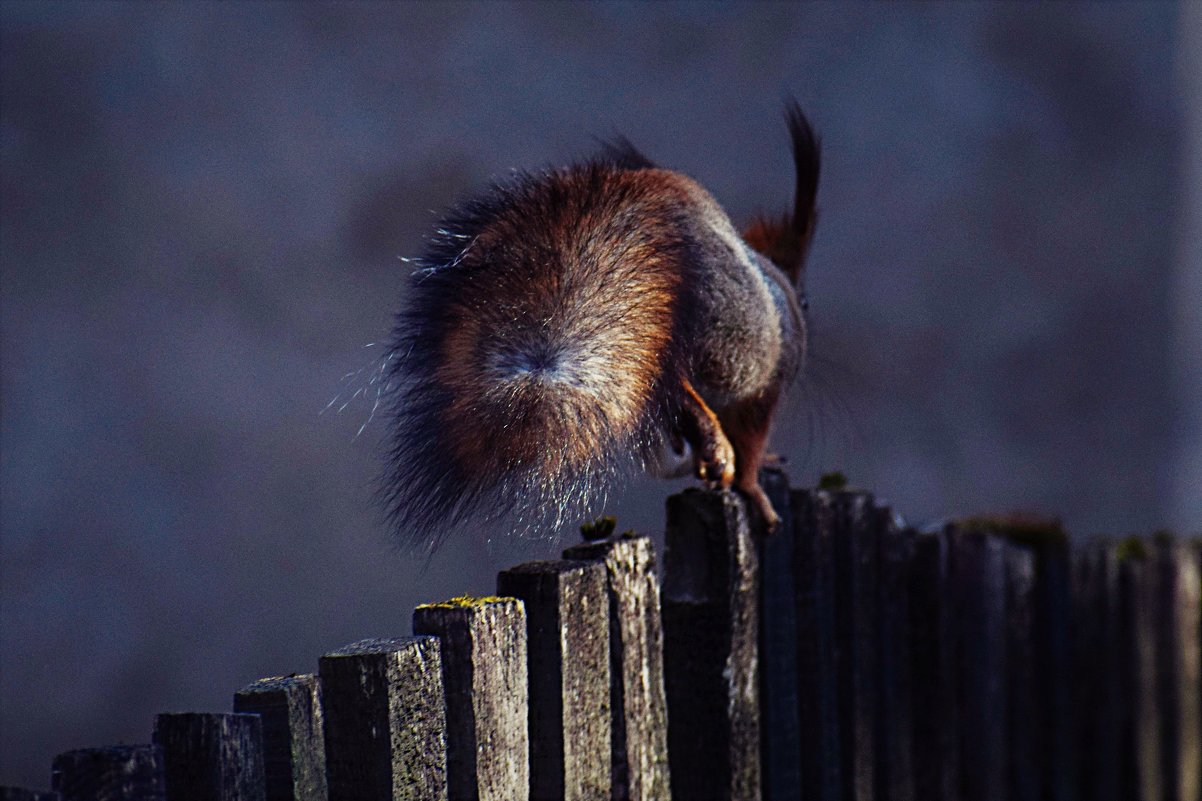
(1022, 703)
(1053, 664)
(294, 750)
(1176, 602)
(856, 631)
(384, 721)
(977, 572)
(711, 648)
(1188, 592)
(639, 717)
(818, 715)
(779, 727)
(567, 624)
(1097, 696)
(117, 773)
(894, 714)
(1141, 752)
(935, 700)
(211, 756)
(483, 646)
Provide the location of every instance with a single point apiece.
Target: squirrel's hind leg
(730, 450)
(747, 424)
(714, 457)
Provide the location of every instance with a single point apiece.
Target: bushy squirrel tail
(531, 355)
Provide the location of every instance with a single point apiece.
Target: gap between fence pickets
(846, 656)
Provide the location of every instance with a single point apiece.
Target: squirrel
(570, 325)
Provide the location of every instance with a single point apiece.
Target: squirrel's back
(548, 329)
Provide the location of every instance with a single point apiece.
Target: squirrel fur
(571, 325)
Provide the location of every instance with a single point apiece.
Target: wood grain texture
(639, 721)
(132, 772)
(711, 648)
(211, 756)
(294, 750)
(567, 625)
(484, 668)
(385, 720)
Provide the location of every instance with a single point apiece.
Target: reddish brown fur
(777, 240)
(523, 286)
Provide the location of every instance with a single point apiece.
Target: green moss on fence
(1038, 533)
(1131, 548)
(465, 602)
(833, 481)
(600, 529)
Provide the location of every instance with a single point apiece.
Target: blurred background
(204, 207)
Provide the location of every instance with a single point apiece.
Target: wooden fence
(845, 658)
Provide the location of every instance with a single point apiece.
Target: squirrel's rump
(534, 346)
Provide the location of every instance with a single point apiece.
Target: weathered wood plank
(1188, 599)
(567, 625)
(639, 722)
(1044, 737)
(384, 721)
(856, 630)
(133, 772)
(1098, 700)
(294, 750)
(484, 660)
(1141, 778)
(817, 685)
(211, 756)
(779, 727)
(895, 741)
(130, 772)
(1023, 718)
(936, 751)
(1053, 666)
(711, 578)
(1176, 602)
(977, 571)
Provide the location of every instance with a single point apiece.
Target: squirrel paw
(716, 463)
